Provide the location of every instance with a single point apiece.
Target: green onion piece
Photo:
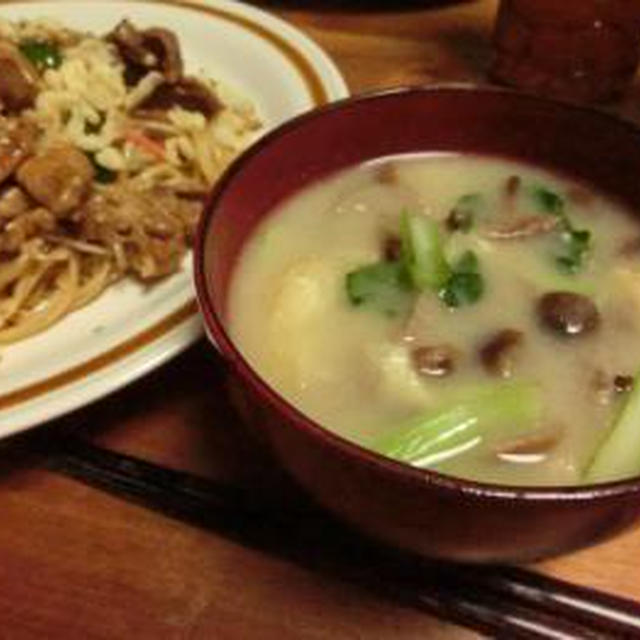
(577, 247)
(422, 252)
(465, 285)
(43, 55)
(456, 427)
(577, 242)
(619, 455)
(103, 175)
(382, 286)
(467, 263)
(547, 200)
(462, 289)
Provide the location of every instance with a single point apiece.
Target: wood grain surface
(76, 563)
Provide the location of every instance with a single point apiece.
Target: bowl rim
(220, 338)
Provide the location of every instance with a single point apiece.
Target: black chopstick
(501, 601)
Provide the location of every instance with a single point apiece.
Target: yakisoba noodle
(107, 148)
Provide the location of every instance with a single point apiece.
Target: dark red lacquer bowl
(418, 510)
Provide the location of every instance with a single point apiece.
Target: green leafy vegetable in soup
(467, 314)
(383, 286)
(577, 242)
(465, 284)
(421, 266)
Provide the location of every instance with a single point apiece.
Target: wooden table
(77, 563)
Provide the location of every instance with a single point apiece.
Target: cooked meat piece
(436, 361)
(60, 178)
(129, 41)
(16, 143)
(497, 353)
(138, 60)
(166, 48)
(188, 93)
(568, 314)
(13, 202)
(148, 50)
(18, 79)
(143, 90)
(523, 227)
(27, 225)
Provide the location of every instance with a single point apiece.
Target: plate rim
(59, 393)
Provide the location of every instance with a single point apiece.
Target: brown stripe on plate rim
(318, 95)
(102, 360)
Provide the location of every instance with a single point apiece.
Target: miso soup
(467, 314)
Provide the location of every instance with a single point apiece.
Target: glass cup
(582, 50)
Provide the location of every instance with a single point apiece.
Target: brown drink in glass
(583, 50)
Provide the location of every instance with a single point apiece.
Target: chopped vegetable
(577, 242)
(460, 425)
(467, 263)
(389, 286)
(102, 175)
(547, 201)
(462, 216)
(619, 455)
(382, 286)
(465, 285)
(146, 144)
(422, 252)
(43, 55)
(578, 245)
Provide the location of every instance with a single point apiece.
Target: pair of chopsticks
(505, 602)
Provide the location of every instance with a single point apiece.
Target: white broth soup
(467, 314)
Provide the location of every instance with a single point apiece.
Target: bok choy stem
(452, 428)
(423, 252)
(619, 455)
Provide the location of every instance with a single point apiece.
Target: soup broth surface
(360, 371)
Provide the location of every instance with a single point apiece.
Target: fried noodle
(107, 148)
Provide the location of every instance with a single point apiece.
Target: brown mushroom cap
(498, 352)
(568, 314)
(434, 361)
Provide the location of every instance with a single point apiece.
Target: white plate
(129, 331)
